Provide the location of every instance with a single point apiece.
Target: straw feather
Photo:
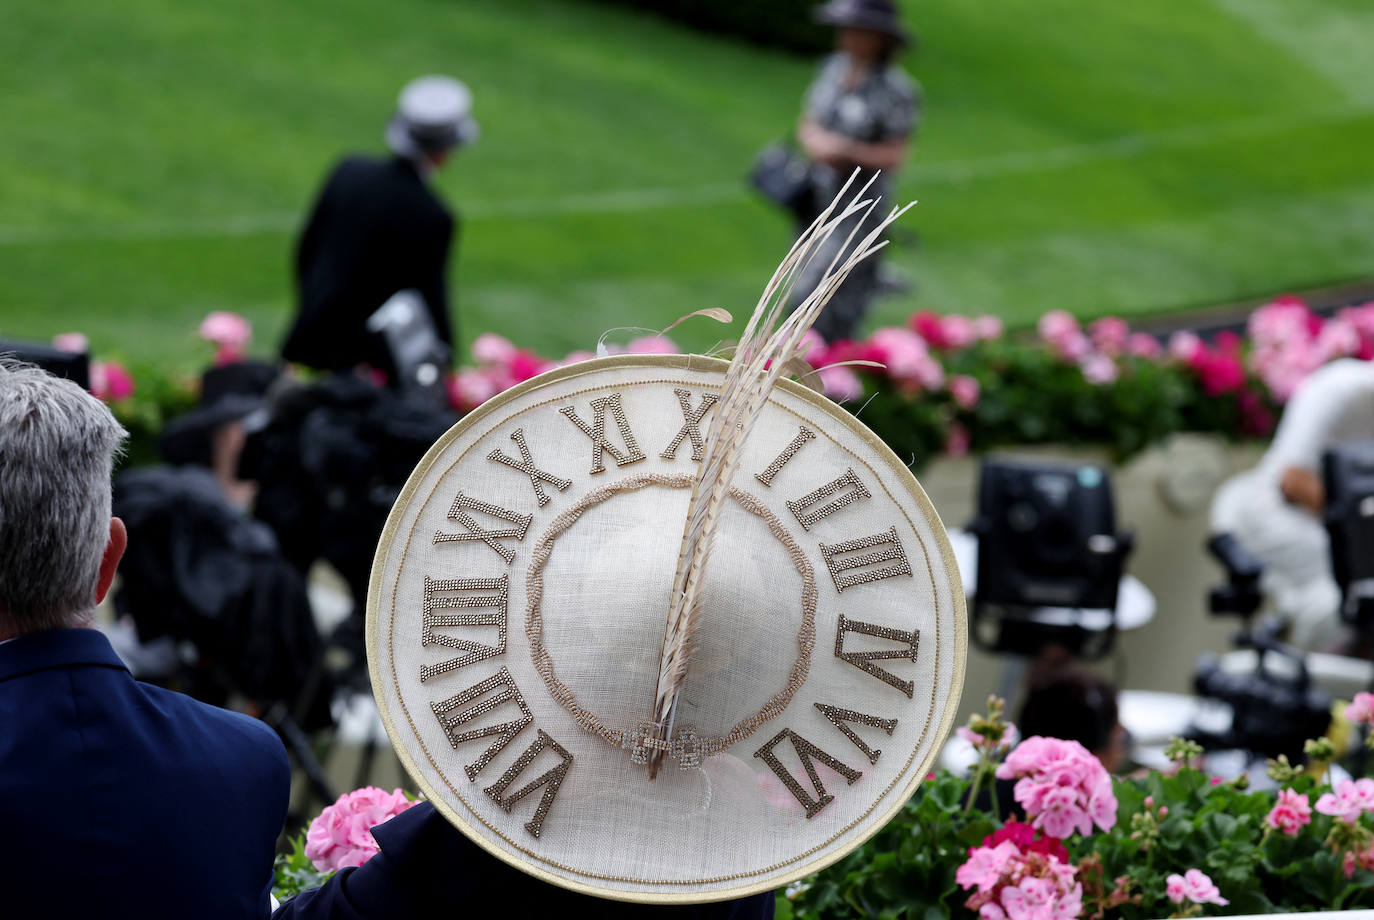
(765, 353)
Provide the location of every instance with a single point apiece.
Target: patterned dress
(882, 106)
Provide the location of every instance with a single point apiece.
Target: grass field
(1130, 158)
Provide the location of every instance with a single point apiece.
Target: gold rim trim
(699, 363)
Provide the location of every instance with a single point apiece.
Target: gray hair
(57, 448)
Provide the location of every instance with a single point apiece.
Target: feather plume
(764, 354)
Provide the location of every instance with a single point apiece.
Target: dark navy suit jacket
(119, 799)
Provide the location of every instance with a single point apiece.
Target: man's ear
(114, 551)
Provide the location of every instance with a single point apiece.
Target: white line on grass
(922, 176)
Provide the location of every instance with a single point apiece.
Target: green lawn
(1106, 157)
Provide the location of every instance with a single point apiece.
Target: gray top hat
(433, 114)
(878, 15)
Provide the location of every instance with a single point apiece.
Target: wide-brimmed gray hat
(433, 114)
(877, 15)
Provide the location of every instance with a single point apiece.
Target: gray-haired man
(117, 798)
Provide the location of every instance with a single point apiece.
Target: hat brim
(400, 141)
(186, 438)
(604, 857)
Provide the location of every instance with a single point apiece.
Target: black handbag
(783, 175)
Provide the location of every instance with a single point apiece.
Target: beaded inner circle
(687, 745)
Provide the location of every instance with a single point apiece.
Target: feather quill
(764, 354)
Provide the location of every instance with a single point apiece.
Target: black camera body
(1046, 539)
(1272, 713)
(1241, 594)
(1348, 475)
(1047, 535)
(71, 365)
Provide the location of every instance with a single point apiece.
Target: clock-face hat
(668, 628)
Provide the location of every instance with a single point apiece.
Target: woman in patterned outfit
(859, 112)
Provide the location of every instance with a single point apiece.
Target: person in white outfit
(1275, 510)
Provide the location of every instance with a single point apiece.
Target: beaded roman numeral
(458, 511)
(691, 420)
(804, 435)
(481, 704)
(808, 754)
(450, 594)
(850, 490)
(849, 567)
(864, 660)
(597, 432)
(526, 465)
(840, 718)
(551, 780)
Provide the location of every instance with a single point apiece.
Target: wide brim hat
(875, 15)
(227, 393)
(540, 582)
(433, 114)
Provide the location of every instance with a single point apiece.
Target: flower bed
(1166, 845)
(946, 384)
(1090, 846)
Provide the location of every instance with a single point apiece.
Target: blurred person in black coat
(378, 228)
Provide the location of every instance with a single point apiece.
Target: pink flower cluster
(1350, 799)
(501, 365)
(1289, 341)
(229, 333)
(1291, 813)
(1062, 786)
(110, 381)
(1361, 709)
(1363, 859)
(1195, 886)
(910, 358)
(1095, 351)
(342, 835)
(1021, 882)
(952, 331)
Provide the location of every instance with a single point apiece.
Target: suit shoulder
(219, 727)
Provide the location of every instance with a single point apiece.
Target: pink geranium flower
(1057, 325)
(1110, 335)
(958, 331)
(907, 358)
(1062, 786)
(1098, 369)
(1361, 709)
(1195, 886)
(470, 387)
(1291, 813)
(841, 383)
(1013, 883)
(1220, 371)
(111, 381)
(342, 835)
(985, 864)
(988, 327)
(1350, 799)
(490, 348)
(1143, 345)
(964, 390)
(1183, 344)
(653, 345)
(948, 332)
